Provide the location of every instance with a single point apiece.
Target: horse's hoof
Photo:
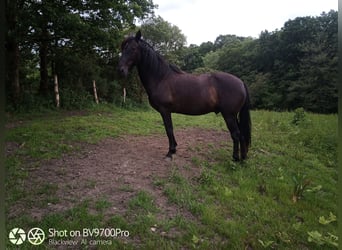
(168, 157)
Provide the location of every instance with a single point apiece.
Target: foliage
(77, 40)
(191, 59)
(285, 69)
(299, 116)
(164, 37)
(75, 99)
(320, 239)
(329, 238)
(300, 185)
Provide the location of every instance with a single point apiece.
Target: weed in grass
(324, 221)
(266, 244)
(319, 239)
(301, 183)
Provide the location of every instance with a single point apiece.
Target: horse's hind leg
(232, 125)
(243, 148)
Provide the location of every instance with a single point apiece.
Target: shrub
(299, 116)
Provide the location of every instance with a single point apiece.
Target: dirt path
(116, 169)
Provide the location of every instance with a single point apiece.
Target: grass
(233, 205)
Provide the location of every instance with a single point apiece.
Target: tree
(89, 29)
(295, 66)
(317, 69)
(227, 40)
(165, 38)
(205, 48)
(191, 58)
(13, 14)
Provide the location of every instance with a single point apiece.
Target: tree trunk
(13, 70)
(43, 53)
(95, 92)
(124, 95)
(56, 91)
(12, 51)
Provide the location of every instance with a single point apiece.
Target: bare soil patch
(115, 169)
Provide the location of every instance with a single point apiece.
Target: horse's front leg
(169, 131)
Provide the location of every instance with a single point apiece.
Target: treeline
(284, 69)
(79, 41)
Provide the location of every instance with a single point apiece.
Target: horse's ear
(138, 35)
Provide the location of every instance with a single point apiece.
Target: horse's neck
(150, 76)
(147, 80)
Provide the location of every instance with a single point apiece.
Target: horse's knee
(235, 136)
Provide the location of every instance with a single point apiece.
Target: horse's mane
(156, 61)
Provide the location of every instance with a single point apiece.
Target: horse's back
(227, 82)
(200, 94)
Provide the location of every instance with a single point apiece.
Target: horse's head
(130, 53)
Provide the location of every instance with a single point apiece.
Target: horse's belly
(195, 106)
(200, 101)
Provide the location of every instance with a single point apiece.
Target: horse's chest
(160, 97)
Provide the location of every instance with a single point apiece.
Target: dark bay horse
(171, 90)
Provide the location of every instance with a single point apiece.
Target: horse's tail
(245, 120)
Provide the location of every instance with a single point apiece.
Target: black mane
(153, 60)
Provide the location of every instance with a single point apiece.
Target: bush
(299, 116)
(71, 99)
(30, 102)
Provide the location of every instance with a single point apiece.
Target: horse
(171, 90)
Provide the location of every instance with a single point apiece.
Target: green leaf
(316, 237)
(195, 239)
(266, 244)
(325, 221)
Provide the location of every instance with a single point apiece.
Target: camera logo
(17, 236)
(35, 236)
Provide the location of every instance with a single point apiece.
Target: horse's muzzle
(123, 70)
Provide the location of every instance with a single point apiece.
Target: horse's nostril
(123, 71)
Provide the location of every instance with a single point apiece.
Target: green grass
(233, 205)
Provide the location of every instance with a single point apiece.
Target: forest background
(78, 42)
